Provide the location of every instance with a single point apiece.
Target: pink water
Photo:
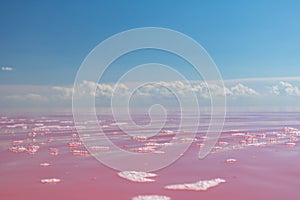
(257, 155)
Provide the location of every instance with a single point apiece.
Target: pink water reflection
(258, 155)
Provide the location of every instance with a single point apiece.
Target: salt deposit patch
(18, 149)
(44, 164)
(146, 149)
(17, 142)
(151, 197)
(32, 149)
(50, 181)
(137, 176)
(53, 151)
(230, 160)
(80, 152)
(166, 132)
(198, 186)
(100, 148)
(75, 144)
(290, 144)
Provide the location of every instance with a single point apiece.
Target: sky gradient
(44, 43)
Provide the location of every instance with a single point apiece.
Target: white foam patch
(198, 186)
(151, 197)
(137, 176)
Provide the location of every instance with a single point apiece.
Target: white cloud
(242, 90)
(151, 91)
(164, 89)
(200, 88)
(6, 68)
(64, 92)
(102, 90)
(93, 89)
(285, 88)
(209, 90)
(275, 90)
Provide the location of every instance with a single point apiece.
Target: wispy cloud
(6, 68)
(32, 97)
(262, 79)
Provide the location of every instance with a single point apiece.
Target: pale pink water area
(257, 157)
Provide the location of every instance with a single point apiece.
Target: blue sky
(44, 42)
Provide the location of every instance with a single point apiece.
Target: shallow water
(257, 156)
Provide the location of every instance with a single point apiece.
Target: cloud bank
(238, 93)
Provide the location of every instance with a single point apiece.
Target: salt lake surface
(256, 157)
